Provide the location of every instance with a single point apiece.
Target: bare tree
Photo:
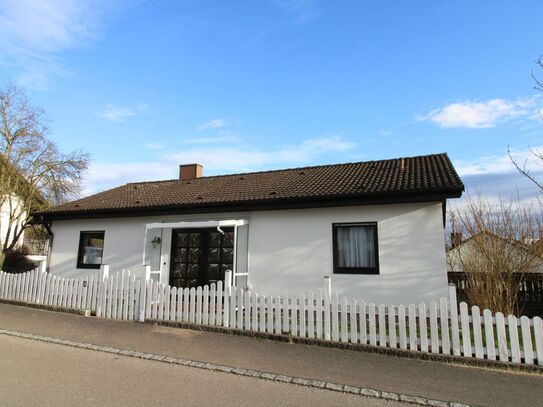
(537, 155)
(538, 82)
(499, 250)
(34, 173)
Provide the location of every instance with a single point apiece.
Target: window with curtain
(355, 248)
(91, 248)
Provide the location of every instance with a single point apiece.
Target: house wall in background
(4, 219)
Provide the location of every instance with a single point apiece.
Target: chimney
(190, 171)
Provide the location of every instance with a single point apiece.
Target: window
(355, 248)
(91, 247)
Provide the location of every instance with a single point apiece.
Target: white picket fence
(438, 327)
(110, 296)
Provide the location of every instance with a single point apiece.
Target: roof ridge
(288, 169)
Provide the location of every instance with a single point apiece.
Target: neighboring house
(7, 205)
(519, 252)
(13, 213)
(512, 254)
(376, 227)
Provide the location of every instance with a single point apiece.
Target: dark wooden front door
(200, 256)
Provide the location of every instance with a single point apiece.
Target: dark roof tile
(430, 174)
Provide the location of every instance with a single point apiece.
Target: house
(485, 253)
(17, 197)
(376, 227)
(528, 257)
(5, 233)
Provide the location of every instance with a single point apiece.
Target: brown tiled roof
(401, 177)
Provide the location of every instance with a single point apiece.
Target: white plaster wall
(4, 219)
(290, 251)
(123, 242)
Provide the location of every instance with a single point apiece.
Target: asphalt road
(483, 387)
(37, 374)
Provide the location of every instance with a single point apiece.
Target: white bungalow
(377, 228)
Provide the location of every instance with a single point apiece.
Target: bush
(499, 250)
(17, 262)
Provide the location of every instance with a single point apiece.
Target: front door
(200, 256)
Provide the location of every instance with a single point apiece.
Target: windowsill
(89, 266)
(371, 272)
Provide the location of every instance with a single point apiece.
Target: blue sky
(252, 85)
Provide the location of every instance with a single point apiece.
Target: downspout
(444, 213)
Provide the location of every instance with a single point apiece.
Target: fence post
(102, 277)
(41, 282)
(227, 297)
(147, 271)
(43, 266)
(142, 297)
(104, 272)
(453, 307)
(328, 287)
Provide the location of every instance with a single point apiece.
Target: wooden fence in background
(530, 291)
(440, 327)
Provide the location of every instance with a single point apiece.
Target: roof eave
(257, 205)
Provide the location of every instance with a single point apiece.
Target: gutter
(256, 205)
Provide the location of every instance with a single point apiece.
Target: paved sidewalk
(427, 379)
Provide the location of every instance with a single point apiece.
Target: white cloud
(34, 32)
(480, 114)
(101, 176)
(238, 158)
(499, 164)
(120, 114)
(496, 178)
(224, 136)
(217, 160)
(213, 124)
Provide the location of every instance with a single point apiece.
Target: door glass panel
(228, 239)
(214, 255)
(194, 255)
(181, 253)
(182, 239)
(195, 239)
(227, 255)
(214, 239)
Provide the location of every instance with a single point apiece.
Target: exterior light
(156, 241)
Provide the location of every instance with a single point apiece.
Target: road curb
(338, 387)
(81, 312)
